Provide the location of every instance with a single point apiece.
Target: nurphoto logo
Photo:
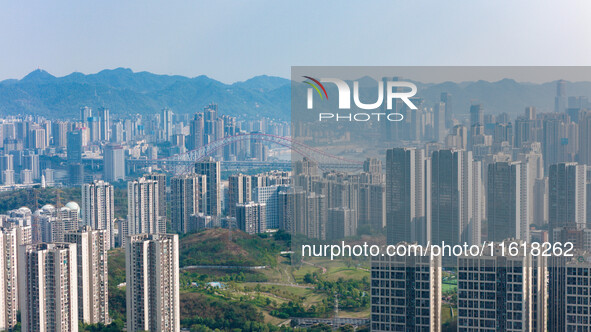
(393, 90)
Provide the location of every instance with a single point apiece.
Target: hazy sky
(235, 40)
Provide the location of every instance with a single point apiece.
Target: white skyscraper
(48, 282)
(166, 123)
(10, 238)
(251, 217)
(105, 124)
(269, 195)
(98, 207)
(143, 207)
(93, 281)
(114, 163)
(152, 275)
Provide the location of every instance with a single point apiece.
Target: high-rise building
(340, 223)
(37, 139)
(567, 196)
(75, 146)
(211, 169)
(48, 284)
(458, 138)
(75, 174)
(93, 281)
(239, 191)
(439, 121)
(166, 124)
(455, 216)
(143, 208)
(251, 217)
(496, 291)
(315, 214)
(152, 282)
(580, 238)
(10, 239)
(405, 293)
(116, 132)
(269, 195)
(59, 131)
(373, 168)
(8, 177)
(372, 206)
(26, 176)
(98, 208)
(161, 178)
(507, 201)
(585, 138)
(31, 161)
(196, 132)
(94, 124)
(114, 163)
(559, 140)
(476, 115)
(105, 124)
(85, 113)
(291, 209)
(47, 173)
(53, 223)
(187, 193)
(7, 162)
(406, 218)
(568, 295)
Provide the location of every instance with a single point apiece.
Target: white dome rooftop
(24, 209)
(73, 206)
(48, 207)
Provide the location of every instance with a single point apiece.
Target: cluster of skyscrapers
(98, 144)
(484, 179)
(56, 266)
(521, 182)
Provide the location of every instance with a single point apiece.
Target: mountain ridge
(124, 91)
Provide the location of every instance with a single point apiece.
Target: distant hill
(228, 248)
(506, 95)
(126, 92)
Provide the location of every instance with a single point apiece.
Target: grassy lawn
(335, 269)
(334, 274)
(448, 288)
(299, 274)
(355, 314)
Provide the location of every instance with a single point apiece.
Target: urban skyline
(480, 179)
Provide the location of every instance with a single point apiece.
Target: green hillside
(228, 248)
